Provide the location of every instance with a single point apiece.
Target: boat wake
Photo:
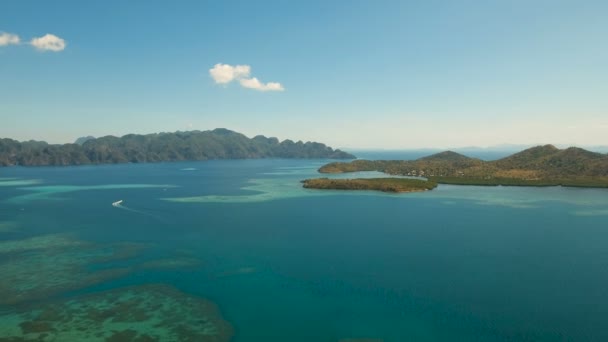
(119, 205)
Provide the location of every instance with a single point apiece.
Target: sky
(354, 74)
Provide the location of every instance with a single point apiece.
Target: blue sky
(375, 74)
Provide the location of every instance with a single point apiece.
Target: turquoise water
(289, 264)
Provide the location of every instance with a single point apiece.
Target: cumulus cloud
(48, 42)
(225, 73)
(9, 39)
(254, 83)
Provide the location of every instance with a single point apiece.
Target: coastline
(389, 185)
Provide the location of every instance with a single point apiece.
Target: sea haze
(284, 263)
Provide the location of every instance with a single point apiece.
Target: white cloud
(254, 83)
(48, 42)
(9, 39)
(225, 73)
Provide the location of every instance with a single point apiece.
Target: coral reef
(8, 227)
(51, 241)
(11, 182)
(43, 266)
(136, 313)
(118, 251)
(50, 192)
(39, 272)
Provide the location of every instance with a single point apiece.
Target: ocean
(237, 250)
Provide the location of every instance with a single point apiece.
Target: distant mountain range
(219, 143)
(468, 150)
(539, 166)
(82, 140)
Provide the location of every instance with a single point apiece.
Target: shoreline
(388, 185)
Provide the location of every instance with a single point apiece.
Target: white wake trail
(118, 204)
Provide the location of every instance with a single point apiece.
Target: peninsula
(219, 143)
(389, 184)
(537, 166)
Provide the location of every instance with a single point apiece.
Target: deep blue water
(288, 264)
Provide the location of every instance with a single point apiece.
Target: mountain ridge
(220, 143)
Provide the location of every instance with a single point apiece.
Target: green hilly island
(219, 143)
(537, 166)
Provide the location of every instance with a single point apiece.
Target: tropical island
(219, 143)
(537, 166)
(389, 184)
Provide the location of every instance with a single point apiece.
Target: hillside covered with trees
(133, 148)
(537, 166)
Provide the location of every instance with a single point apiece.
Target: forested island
(379, 184)
(219, 143)
(537, 166)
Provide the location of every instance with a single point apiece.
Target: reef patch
(44, 266)
(141, 313)
(8, 227)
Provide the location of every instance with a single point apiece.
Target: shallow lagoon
(284, 263)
